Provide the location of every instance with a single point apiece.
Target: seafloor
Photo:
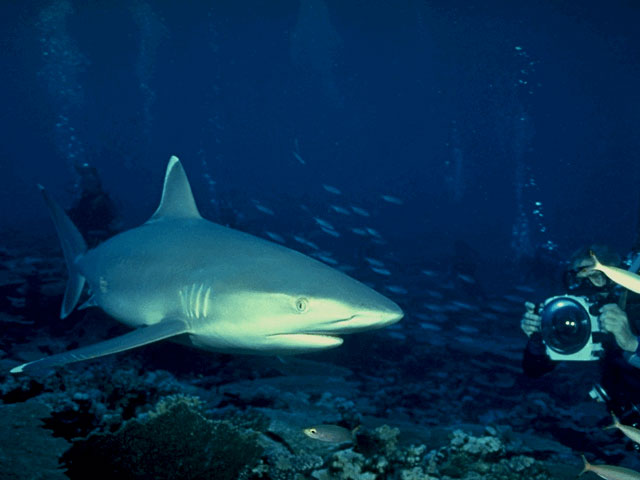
(438, 396)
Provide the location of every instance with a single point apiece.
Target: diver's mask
(578, 283)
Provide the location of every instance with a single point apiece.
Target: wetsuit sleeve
(535, 361)
(633, 315)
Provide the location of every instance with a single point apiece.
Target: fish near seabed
(610, 472)
(330, 433)
(629, 431)
(182, 277)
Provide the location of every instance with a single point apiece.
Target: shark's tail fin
(73, 245)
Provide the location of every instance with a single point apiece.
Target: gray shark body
(181, 276)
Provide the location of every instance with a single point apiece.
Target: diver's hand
(614, 320)
(531, 321)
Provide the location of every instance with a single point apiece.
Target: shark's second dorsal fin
(177, 200)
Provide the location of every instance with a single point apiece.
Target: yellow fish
(609, 472)
(329, 433)
(628, 280)
(631, 432)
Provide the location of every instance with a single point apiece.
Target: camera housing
(568, 328)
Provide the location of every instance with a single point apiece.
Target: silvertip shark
(179, 276)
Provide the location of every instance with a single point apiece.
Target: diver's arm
(614, 320)
(530, 322)
(633, 358)
(535, 361)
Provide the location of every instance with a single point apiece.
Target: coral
(468, 457)
(415, 473)
(95, 398)
(388, 438)
(173, 441)
(378, 456)
(28, 451)
(486, 446)
(345, 465)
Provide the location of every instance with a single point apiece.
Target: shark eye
(302, 304)
(313, 431)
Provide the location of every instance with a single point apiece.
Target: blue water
(478, 141)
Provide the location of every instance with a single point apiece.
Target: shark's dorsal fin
(177, 200)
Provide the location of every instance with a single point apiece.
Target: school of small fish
(471, 319)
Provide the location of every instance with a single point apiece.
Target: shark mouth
(326, 335)
(303, 341)
(358, 322)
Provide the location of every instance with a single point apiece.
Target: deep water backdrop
(451, 154)
(469, 112)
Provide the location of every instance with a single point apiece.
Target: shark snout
(381, 317)
(367, 319)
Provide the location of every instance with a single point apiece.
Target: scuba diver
(93, 211)
(606, 317)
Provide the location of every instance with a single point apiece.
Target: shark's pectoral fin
(137, 338)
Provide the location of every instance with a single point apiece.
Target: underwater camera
(568, 328)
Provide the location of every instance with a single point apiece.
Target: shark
(181, 277)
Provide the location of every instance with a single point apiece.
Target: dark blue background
(378, 95)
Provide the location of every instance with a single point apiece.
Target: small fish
(434, 308)
(373, 232)
(360, 211)
(463, 305)
(396, 335)
(430, 326)
(264, 209)
(306, 242)
(329, 433)
(340, 210)
(330, 231)
(297, 156)
(313, 245)
(466, 278)
(323, 223)
(499, 307)
(331, 189)
(434, 294)
(489, 316)
(359, 231)
(397, 289)
(525, 289)
(631, 432)
(326, 259)
(374, 262)
(429, 273)
(465, 339)
(381, 271)
(610, 472)
(392, 199)
(468, 330)
(274, 236)
(628, 280)
(514, 298)
(346, 268)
